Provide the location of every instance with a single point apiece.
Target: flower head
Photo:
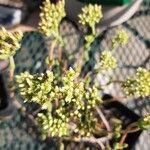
(9, 43)
(107, 61)
(144, 122)
(51, 16)
(139, 86)
(91, 14)
(120, 38)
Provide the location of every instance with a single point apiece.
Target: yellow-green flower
(144, 122)
(9, 43)
(139, 86)
(120, 38)
(50, 17)
(91, 14)
(64, 100)
(107, 61)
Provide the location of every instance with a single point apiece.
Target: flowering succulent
(9, 43)
(120, 38)
(50, 17)
(66, 99)
(139, 86)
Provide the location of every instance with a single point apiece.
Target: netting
(14, 134)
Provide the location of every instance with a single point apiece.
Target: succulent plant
(69, 102)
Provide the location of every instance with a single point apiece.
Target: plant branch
(51, 53)
(12, 68)
(36, 111)
(130, 129)
(65, 66)
(103, 118)
(59, 53)
(92, 140)
(80, 61)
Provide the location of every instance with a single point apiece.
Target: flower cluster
(50, 17)
(35, 87)
(139, 86)
(120, 38)
(117, 130)
(67, 99)
(91, 14)
(144, 122)
(9, 43)
(53, 126)
(107, 61)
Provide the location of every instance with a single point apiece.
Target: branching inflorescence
(139, 86)
(90, 16)
(9, 45)
(67, 100)
(50, 18)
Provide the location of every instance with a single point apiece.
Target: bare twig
(36, 111)
(100, 144)
(11, 75)
(12, 67)
(134, 130)
(51, 52)
(65, 66)
(103, 118)
(80, 61)
(100, 141)
(130, 129)
(59, 53)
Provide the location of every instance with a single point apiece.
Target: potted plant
(70, 105)
(114, 12)
(9, 44)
